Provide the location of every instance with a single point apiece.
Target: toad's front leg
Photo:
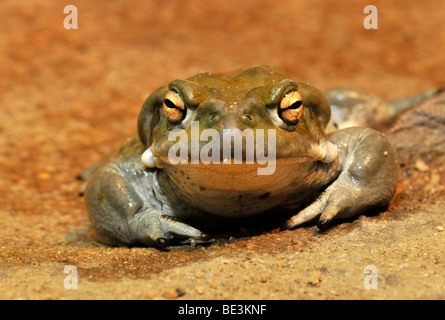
(120, 210)
(368, 178)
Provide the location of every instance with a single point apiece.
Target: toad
(194, 164)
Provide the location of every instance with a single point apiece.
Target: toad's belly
(236, 191)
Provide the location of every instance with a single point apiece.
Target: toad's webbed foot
(122, 215)
(368, 178)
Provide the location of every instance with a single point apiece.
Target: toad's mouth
(264, 164)
(261, 159)
(259, 146)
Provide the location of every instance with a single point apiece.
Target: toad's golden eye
(174, 108)
(291, 108)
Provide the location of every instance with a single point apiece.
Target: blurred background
(100, 73)
(78, 92)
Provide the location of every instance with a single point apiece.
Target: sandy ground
(68, 97)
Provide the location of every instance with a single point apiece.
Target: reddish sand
(68, 97)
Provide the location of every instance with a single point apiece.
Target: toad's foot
(368, 179)
(122, 215)
(152, 227)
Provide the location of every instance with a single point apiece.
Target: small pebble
(200, 290)
(315, 278)
(150, 294)
(173, 293)
(199, 274)
(439, 228)
(421, 166)
(263, 278)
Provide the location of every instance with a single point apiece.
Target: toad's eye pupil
(169, 103)
(295, 105)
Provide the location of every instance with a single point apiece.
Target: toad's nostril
(251, 112)
(210, 113)
(249, 119)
